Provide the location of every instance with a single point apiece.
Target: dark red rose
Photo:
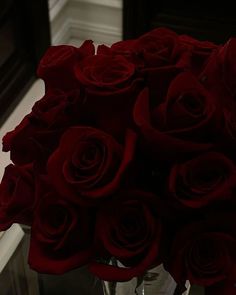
(56, 66)
(88, 164)
(30, 142)
(61, 235)
(39, 132)
(203, 180)
(158, 55)
(58, 108)
(17, 196)
(184, 122)
(155, 49)
(204, 252)
(164, 57)
(187, 109)
(160, 48)
(129, 228)
(105, 73)
(110, 84)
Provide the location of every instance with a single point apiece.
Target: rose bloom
(203, 180)
(158, 55)
(17, 197)
(204, 253)
(185, 121)
(158, 48)
(61, 234)
(56, 67)
(110, 83)
(89, 164)
(39, 132)
(104, 73)
(128, 228)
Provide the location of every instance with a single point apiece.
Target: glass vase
(155, 281)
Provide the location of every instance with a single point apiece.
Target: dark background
(203, 19)
(24, 36)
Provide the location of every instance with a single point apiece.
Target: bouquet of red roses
(130, 155)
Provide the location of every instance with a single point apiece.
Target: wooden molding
(108, 3)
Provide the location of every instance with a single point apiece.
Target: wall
(73, 21)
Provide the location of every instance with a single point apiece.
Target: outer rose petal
(90, 72)
(56, 66)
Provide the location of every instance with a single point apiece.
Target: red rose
(204, 252)
(155, 49)
(158, 55)
(39, 132)
(164, 57)
(110, 84)
(160, 48)
(202, 180)
(184, 122)
(30, 142)
(58, 108)
(17, 197)
(88, 164)
(129, 229)
(61, 235)
(56, 66)
(105, 73)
